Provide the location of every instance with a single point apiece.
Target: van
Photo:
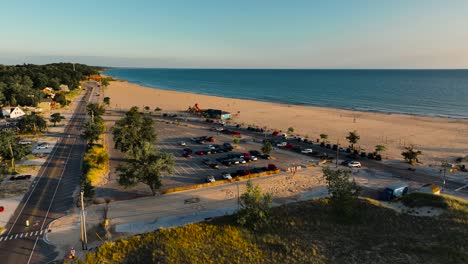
(394, 192)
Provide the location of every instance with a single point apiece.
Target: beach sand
(438, 138)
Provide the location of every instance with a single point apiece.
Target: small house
(64, 88)
(12, 112)
(49, 91)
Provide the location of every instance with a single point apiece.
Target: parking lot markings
(1, 238)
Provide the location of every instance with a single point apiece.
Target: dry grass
(14, 188)
(305, 232)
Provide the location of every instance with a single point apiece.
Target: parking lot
(192, 170)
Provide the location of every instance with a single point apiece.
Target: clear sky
(237, 33)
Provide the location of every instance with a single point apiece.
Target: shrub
(255, 211)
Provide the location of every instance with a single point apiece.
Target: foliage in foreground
(343, 191)
(255, 207)
(306, 232)
(95, 164)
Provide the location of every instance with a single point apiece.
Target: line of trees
(96, 158)
(22, 84)
(135, 136)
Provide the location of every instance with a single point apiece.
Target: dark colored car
(200, 152)
(265, 156)
(272, 167)
(255, 153)
(20, 177)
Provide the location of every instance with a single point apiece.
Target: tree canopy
(32, 124)
(92, 131)
(267, 147)
(353, 138)
(22, 84)
(146, 167)
(132, 131)
(56, 118)
(411, 155)
(255, 211)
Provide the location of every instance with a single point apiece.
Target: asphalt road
(50, 196)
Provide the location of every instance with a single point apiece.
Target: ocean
(439, 93)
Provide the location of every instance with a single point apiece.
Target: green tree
(56, 118)
(290, 130)
(411, 155)
(236, 140)
(32, 124)
(157, 109)
(343, 192)
(61, 99)
(92, 131)
(106, 100)
(379, 149)
(267, 147)
(353, 138)
(9, 149)
(146, 167)
(95, 110)
(105, 82)
(147, 108)
(323, 137)
(255, 207)
(132, 131)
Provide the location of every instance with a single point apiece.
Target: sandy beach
(438, 138)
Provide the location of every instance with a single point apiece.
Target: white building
(12, 112)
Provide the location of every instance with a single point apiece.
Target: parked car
(200, 153)
(42, 146)
(20, 177)
(307, 151)
(393, 192)
(205, 160)
(265, 156)
(255, 152)
(253, 158)
(182, 143)
(226, 175)
(345, 162)
(282, 144)
(354, 164)
(213, 165)
(187, 155)
(25, 142)
(272, 167)
(210, 179)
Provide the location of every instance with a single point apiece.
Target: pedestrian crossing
(34, 233)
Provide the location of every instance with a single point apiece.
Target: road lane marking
(16, 236)
(463, 187)
(22, 234)
(1, 238)
(52, 201)
(36, 233)
(42, 232)
(10, 237)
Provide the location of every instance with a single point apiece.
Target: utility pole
(337, 152)
(84, 238)
(238, 197)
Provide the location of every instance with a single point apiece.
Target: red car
(201, 153)
(236, 133)
(276, 133)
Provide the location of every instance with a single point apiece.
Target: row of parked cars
(242, 172)
(209, 149)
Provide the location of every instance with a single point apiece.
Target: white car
(182, 143)
(354, 164)
(307, 151)
(25, 142)
(253, 158)
(282, 144)
(210, 179)
(42, 146)
(227, 176)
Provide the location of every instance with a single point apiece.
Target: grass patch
(425, 199)
(96, 164)
(305, 232)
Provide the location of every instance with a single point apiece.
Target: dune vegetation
(306, 232)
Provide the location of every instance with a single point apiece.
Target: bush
(343, 192)
(255, 207)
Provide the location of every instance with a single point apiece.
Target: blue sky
(237, 33)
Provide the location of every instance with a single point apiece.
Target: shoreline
(298, 103)
(439, 138)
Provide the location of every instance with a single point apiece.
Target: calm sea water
(442, 93)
